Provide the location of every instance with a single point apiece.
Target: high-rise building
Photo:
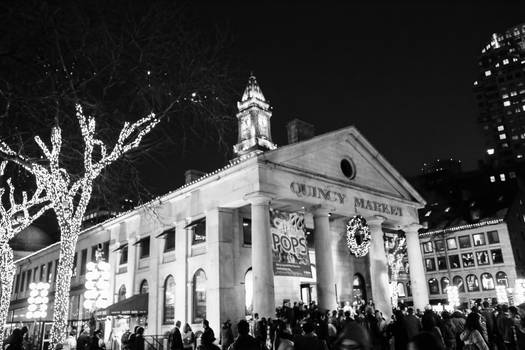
(500, 94)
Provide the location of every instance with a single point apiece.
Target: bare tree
(15, 216)
(70, 197)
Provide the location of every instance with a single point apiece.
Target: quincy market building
(226, 244)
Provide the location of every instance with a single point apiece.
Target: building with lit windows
(233, 241)
(500, 96)
(475, 256)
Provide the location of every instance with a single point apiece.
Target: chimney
(192, 175)
(299, 130)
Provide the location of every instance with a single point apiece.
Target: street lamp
(97, 283)
(38, 299)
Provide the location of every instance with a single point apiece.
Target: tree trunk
(63, 284)
(7, 273)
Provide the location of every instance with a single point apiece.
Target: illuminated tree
(70, 197)
(14, 218)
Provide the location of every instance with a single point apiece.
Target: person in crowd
(412, 323)
(188, 337)
(244, 341)
(309, 340)
(208, 337)
(399, 331)
(226, 335)
(84, 341)
(425, 341)
(283, 336)
(175, 337)
(71, 341)
(447, 331)
(261, 330)
(137, 342)
(520, 327)
(505, 329)
(353, 337)
(97, 341)
(429, 323)
(14, 342)
(490, 321)
(483, 323)
(125, 340)
(471, 336)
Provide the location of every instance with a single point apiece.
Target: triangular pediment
(323, 156)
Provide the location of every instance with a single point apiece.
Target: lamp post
(38, 300)
(97, 294)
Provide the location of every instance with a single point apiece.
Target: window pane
(442, 263)
(74, 268)
(464, 241)
(247, 231)
(199, 296)
(144, 287)
(493, 237)
(169, 240)
(454, 262)
(144, 248)
(124, 255)
(169, 300)
(487, 282)
(28, 281)
(401, 289)
(458, 282)
(430, 264)
(440, 245)
(468, 259)
(501, 279)
(479, 239)
(445, 282)
(121, 293)
(433, 286)
(22, 281)
(482, 257)
(199, 232)
(451, 243)
(105, 250)
(83, 262)
(427, 247)
(42, 273)
(497, 256)
(472, 283)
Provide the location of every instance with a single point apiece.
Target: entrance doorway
(306, 293)
(359, 289)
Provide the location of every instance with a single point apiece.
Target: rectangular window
(482, 257)
(479, 239)
(493, 237)
(468, 259)
(28, 280)
(440, 245)
(124, 255)
(169, 240)
(49, 276)
(22, 281)
(442, 263)
(464, 241)
(56, 271)
(42, 273)
(83, 262)
(247, 231)
(94, 252)
(454, 261)
(75, 264)
(497, 256)
(199, 232)
(452, 244)
(430, 264)
(105, 250)
(17, 282)
(144, 248)
(427, 247)
(35, 274)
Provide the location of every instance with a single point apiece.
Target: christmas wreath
(357, 225)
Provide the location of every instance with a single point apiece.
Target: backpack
(125, 337)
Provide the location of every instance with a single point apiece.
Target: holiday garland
(358, 225)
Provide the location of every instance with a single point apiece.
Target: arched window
(487, 281)
(199, 296)
(121, 293)
(169, 301)
(359, 288)
(445, 282)
(144, 288)
(458, 282)
(433, 286)
(502, 279)
(248, 291)
(401, 290)
(472, 283)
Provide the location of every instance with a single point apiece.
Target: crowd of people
(304, 327)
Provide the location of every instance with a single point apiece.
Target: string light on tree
(70, 197)
(358, 226)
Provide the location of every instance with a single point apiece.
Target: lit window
(505, 145)
(505, 61)
(490, 151)
(519, 156)
(514, 137)
(505, 96)
(476, 83)
(488, 73)
(500, 128)
(502, 136)
(427, 214)
(502, 177)
(523, 107)
(513, 93)
(512, 175)
(506, 103)
(492, 179)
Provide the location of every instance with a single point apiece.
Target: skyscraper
(500, 95)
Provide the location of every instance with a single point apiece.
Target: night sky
(401, 72)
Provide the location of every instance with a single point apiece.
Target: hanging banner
(290, 251)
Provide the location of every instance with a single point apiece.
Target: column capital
(375, 220)
(412, 228)
(259, 197)
(320, 210)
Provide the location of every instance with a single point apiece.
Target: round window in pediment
(348, 168)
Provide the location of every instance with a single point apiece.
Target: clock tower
(254, 121)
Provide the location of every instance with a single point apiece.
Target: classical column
(418, 282)
(323, 260)
(381, 293)
(262, 265)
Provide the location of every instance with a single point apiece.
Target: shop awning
(133, 306)
(121, 246)
(195, 222)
